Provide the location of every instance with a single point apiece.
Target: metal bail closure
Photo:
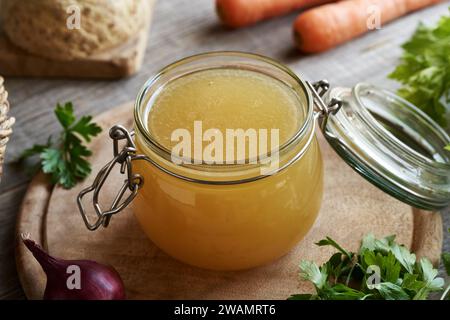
(323, 110)
(133, 182)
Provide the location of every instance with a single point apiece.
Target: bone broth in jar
(224, 170)
(230, 214)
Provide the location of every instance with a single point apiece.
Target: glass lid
(391, 143)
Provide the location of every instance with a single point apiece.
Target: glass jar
(231, 216)
(228, 216)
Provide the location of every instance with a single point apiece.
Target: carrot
(325, 27)
(240, 13)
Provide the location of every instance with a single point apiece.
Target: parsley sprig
(66, 160)
(424, 70)
(353, 276)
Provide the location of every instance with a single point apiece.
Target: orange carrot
(325, 27)
(240, 13)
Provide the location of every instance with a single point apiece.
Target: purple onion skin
(97, 281)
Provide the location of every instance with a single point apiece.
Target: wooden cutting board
(351, 208)
(118, 62)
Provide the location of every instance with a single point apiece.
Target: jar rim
(301, 133)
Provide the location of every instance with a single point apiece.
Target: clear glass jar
(230, 217)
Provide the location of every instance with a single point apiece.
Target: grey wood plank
(181, 28)
(9, 281)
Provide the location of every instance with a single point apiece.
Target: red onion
(77, 279)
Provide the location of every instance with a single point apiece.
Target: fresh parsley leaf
(65, 114)
(382, 269)
(66, 160)
(424, 70)
(342, 292)
(311, 272)
(429, 275)
(387, 245)
(391, 291)
(337, 292)
(389, 266)
(330, 242)
(86, 128)
(52, 160)
(447, 147)
(406, 258)
(410, 282)
(371, 243)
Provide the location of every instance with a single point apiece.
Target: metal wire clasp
(124, 157)
(323, 110)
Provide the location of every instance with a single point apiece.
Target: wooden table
(182, 28)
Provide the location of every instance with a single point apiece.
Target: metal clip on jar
(233, 218)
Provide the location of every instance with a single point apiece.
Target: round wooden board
(351, 208)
